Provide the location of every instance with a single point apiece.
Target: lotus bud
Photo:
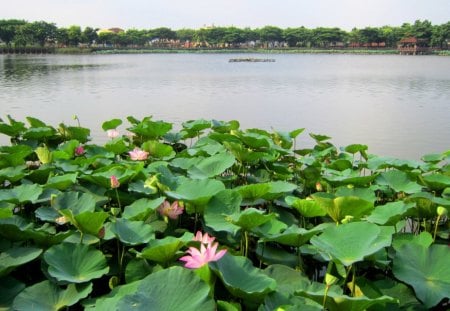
(319, 187)
(347, 219)
(442, 211)
(330, 279)
(114, 182)
(79, 151)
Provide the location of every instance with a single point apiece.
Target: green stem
(325, 297)
(354, 281)
(246, 243)
(436, 227)
(118, 199)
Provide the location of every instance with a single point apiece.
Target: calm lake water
(398, 105)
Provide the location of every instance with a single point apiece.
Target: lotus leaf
(250, 218)
(116, 145)
(142, 208)
(367, 194)
(211, 166)
(76, 202)
(296, 236)
(76, 263)
(61, 182)
(21, 194)
(349, 177)
(132, 232)
(12, 129)
(399, 181)
(14, 155)
(404, 294)
(109, 302)
(164, 250)
(437, 181)
(149, 129)
(253, 192)
(55, 297)
(242, 279)
(270, 255)
(340, 207)
(111, 124)
(350, 243)
(426, 269)
(9, 289)
(13, 174)
(197, 192)
(307, 208)
(158, 150)
(189, 292)
(17, 256)
(222, 205)
(389, 213)
(86, 222)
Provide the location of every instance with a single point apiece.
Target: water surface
(398, 105)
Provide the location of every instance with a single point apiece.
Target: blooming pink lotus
(114, 182)
(138, 155)
(79, 150)
(171, 211)
(198, 258)
(112, 133)
(204, 238)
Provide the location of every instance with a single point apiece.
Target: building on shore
(413, 46)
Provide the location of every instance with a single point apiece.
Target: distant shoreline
(76, 51)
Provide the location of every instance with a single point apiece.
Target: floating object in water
(252, 60)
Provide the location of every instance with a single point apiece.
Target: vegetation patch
(215, 217)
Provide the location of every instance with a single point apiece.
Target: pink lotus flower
(138, 154)
(114, 182)
(171, 211)
(79, 151)
(112, 133)
(198, 258)
(205, 238)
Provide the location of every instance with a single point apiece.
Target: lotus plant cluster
(209, 216)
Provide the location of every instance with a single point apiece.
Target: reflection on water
(398, 105)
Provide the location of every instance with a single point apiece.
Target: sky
(177, 14)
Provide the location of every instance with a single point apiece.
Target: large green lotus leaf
(116, 145)
(354, 148)
(149, 129)
(228, 306)
(424, 239)
(197, 192)
(250, 218)
(253, 192)
(212, 166)
(17, 256)
(77, 202)
(175, 289)
(221, 205)
(399, 181)
(367, 194)
(102, 176)
(425, 207)
(164, 250)
(12, 156)
(288, 280)
(142, 208)
(339, 302)
(296, 236)
(225, 126)
(90, 222)
(132, 232)
(75, 263)
(242, 279)
(111, 124)
(196, 126)
(39, 133)
(158, 150)
(139, 186)
(185, 163)
(269, 228)
(9, 289)
(437, 181)
(13, 129)
(137, 269)
(21, 194)
(339, 207)
(340, 165)
(307, 208)
(390, 213)
(349, 177)
(208, 146)
(426, 269)
(405, 295)
(278, 188)
(350, 243)
(255, 140)
(61, 182)
(269, 254)
(16, 228)
(278, 301)
(109, 302)
(46, 296)
(12, 173)
(75, 132)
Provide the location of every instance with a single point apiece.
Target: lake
(398, 105)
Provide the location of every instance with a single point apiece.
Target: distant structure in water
(413, 46)
(252, 60)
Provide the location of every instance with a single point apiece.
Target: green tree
(74, 35)
(324, 37)
(271, 34)
(297, 36)
(369, 35)
(89, 35)
(41, 32)
(163, 33)
(8, 29)
(185, 34)
(422, 29)
(62, 36)
(440, 35)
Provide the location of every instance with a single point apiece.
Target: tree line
(20, 33)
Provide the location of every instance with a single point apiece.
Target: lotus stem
(436, 227)
(118, 199)
(354, 281)
(327, 287)
(246, 243)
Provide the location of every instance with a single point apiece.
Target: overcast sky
(176, 14)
